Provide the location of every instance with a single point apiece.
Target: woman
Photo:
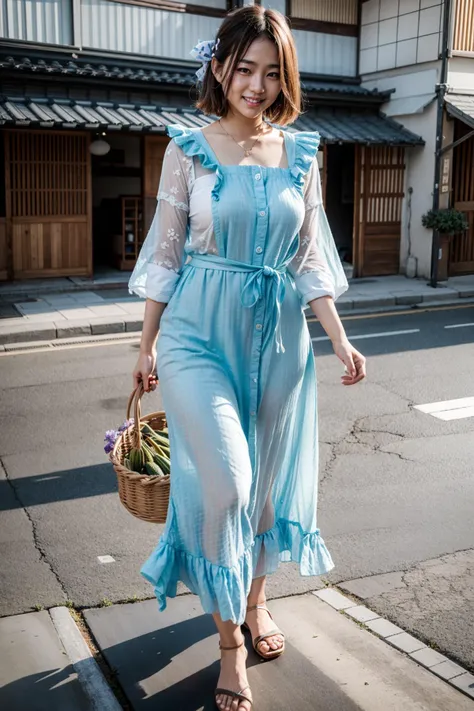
(240, 202)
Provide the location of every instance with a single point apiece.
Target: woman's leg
(233, 674)
(260, 621)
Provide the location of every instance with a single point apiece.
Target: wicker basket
(146, 497)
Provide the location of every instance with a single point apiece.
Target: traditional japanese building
(87, 88)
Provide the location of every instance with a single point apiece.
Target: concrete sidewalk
(332, 661)
(41, 315)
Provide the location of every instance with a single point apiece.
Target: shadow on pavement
(176, 666)
(57, 486)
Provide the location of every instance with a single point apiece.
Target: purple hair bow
(203, 52)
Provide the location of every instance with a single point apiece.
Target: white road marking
(372, 335)
(460, 414)
(105, 559)
(449, 409)
(460, 325)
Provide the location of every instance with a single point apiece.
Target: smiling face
(255, 83)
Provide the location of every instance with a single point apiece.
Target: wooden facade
(379, 192)
(48, 204)
(461, 256)
(463, 30)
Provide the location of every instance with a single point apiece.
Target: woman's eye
(274, 75)
(243, 69)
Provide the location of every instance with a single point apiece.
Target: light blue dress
(237, 252)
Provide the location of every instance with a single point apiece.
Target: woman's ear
(217, 69)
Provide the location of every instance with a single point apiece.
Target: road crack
(34, 531)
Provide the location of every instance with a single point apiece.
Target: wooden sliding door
(379, 181)
(48, 203)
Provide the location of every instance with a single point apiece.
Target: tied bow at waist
(254, 287)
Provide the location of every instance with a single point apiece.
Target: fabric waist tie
(253, 289)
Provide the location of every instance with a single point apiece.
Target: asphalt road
(396, 484)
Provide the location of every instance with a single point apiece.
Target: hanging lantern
(99, 147)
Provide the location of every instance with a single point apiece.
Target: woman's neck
(241, 127)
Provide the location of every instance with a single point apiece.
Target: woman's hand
(144, 371)
(352, 359)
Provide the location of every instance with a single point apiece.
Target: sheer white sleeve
(316, 267)
(162, 255)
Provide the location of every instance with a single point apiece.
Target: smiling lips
(253, 102)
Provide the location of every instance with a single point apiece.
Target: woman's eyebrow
(249, 61)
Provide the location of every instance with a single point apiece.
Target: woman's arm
(325, 311)
(144, 371)
(159, 264)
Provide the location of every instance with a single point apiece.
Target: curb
(50, 331)
(418, 651)
(88, 672)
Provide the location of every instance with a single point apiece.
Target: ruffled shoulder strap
(192, 143)
(305, 148)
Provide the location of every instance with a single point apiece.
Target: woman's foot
(260, 622)
(233, 677)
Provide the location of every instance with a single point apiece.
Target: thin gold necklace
(247, 151)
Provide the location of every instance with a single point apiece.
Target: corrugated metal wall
(326, 54)
(344, 11)
(37, 20)
(142, 30)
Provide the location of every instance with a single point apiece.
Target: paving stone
(465, 682)
(447, 670)
(27, 332)
(440, 295)
(374, 585)
(382, 627)
(35, 673)
(107, 310)
(66, 328)
(76, 313)
(361, 302)
(405, 642)
(334, 598)
(362, 613)
(408, 299)
(132, 323)
(43, 316)
(106, 325)
(428, 657)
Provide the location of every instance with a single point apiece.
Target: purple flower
(109, 439)
(126, 425)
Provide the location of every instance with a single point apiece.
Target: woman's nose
(257, 84)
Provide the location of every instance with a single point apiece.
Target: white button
(257, 176)
(262, 213)
(252, 413)
(258, 326)
(255, 380)
(259, 250)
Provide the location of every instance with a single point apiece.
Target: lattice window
(340, 11)
(384, 176)
(47, 174)
(463, 40)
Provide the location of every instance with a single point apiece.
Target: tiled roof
(335, 126)
(111, 70)
(346, 126)
(141, 72)
(461, 106)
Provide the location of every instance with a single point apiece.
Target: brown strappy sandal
(272, 653)
(228, 692)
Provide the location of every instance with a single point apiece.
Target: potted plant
(447, 222)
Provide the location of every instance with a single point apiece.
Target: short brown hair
(239, 29)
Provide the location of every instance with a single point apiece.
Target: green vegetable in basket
(137, 459)
(153, 469)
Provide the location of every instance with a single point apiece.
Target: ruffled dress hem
(224, 590)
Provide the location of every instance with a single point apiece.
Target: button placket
(259, 313)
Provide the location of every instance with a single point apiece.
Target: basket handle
(134, 402)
